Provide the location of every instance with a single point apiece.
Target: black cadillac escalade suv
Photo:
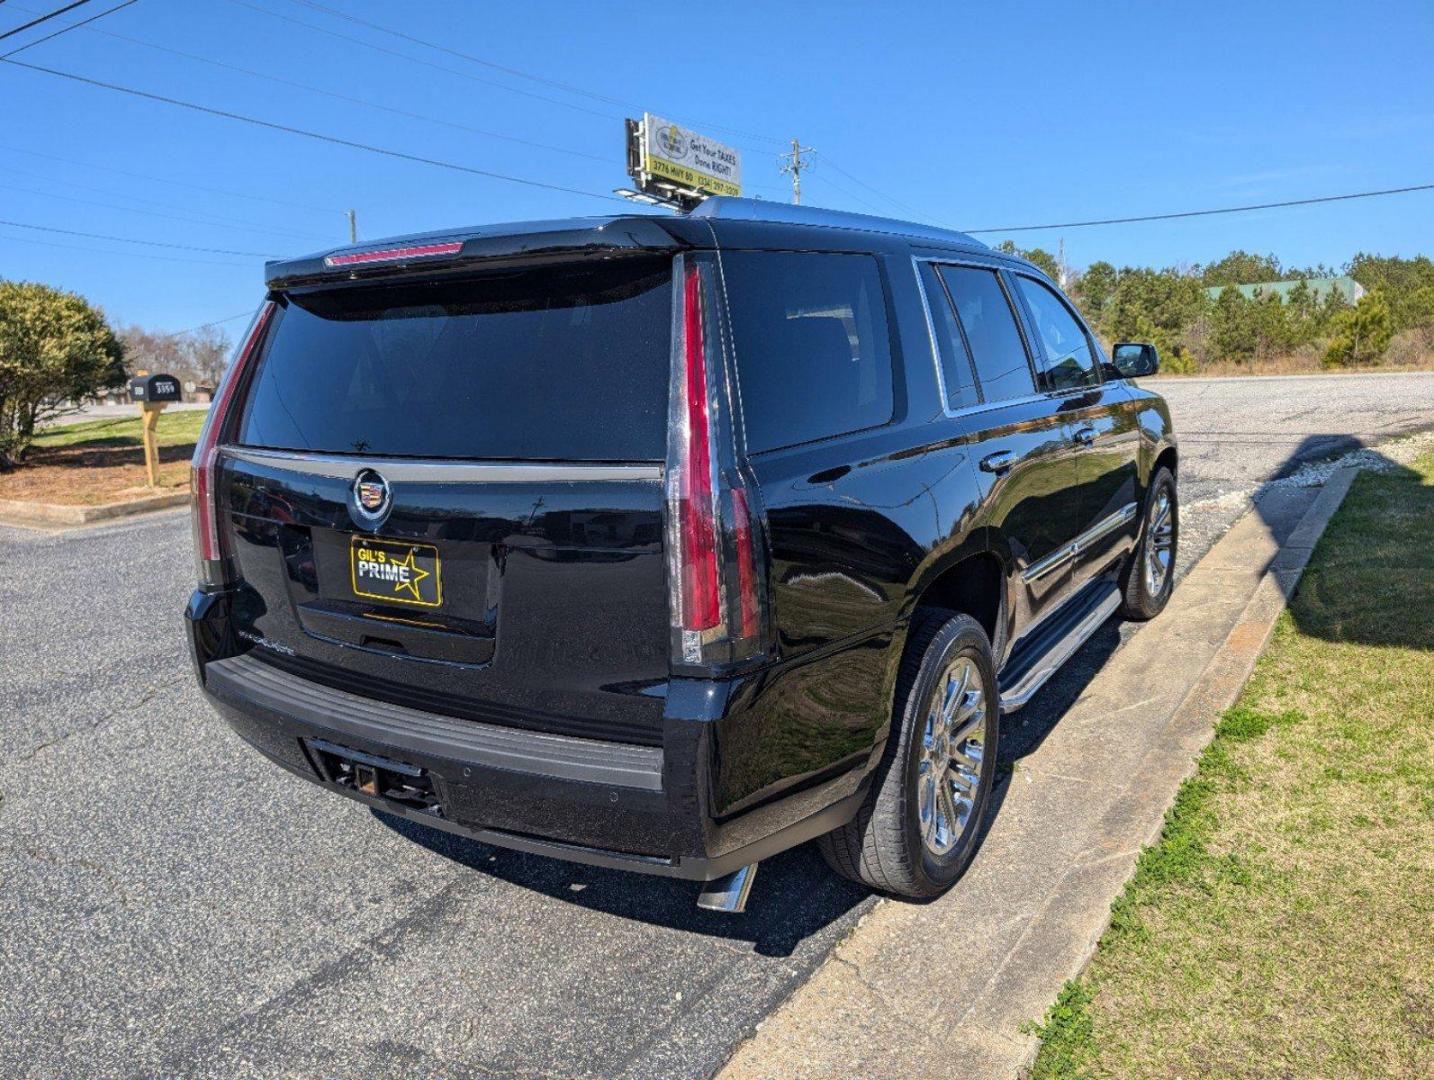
(668, 543)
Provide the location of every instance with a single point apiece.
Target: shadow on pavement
(1351, 596)
(794, 896)
(1280, 505)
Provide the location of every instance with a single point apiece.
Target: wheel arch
(972, 583)
(1168, 456)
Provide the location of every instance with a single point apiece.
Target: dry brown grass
(1411, 350)
(101, 461)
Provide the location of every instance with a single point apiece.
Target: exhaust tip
(729, 894)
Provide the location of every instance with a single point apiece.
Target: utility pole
(793, 163)
(353, 227)
(1061, 264)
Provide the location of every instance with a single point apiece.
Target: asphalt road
(173, 905)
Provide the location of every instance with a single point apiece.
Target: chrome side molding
(1062, 555)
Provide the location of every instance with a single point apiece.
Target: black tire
(1162, 534)
(884, 846)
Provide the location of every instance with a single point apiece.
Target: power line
(374, 104)
(515, 72)
(462, 55)
(309, 88)
(207, 218)
(319, 136)
(1207, 213)
(214, 322)
(875, 191)
(853, 195)
(426, 63)
(161, 214)
(127, 254)
(42, 19)
(131, 240)
(67, 29)
(169, 180)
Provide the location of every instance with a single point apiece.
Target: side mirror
(1135, 359)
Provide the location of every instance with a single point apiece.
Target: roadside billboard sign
(669, 159)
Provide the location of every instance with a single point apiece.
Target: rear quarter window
(813, 351)
(566, 363)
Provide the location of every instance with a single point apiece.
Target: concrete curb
(15, 512)
(1036, 900)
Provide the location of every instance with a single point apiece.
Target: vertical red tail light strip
(715, 547)
(700, 596)
(207, 538)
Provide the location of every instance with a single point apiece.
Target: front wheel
(918, 828)
(1150, 575)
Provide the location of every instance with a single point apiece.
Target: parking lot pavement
(1238, 433)
(174, 905)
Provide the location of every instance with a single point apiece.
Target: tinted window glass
(813, 353)
(1068, 361)
(566, 363)
(991, 331)
(952, 355)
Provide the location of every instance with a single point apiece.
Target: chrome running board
(1035, 661)
(729, 894)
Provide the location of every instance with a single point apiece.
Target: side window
(994, 339)
(1068, 360)
(955, 361)
(812, 346)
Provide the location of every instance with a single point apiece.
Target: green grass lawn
(1283, 926)
(174, 429)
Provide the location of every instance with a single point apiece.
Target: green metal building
(1346, 287)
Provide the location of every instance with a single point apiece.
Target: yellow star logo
(415, 575)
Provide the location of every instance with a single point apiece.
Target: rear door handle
(1085, 436)
(998, 462)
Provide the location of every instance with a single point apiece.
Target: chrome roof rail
(728, 208)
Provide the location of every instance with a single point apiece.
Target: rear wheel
(1150, 575)
(918, 828)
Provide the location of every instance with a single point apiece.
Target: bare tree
(198, 356)
(207, 354)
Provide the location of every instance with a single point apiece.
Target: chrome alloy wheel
(953, 741)
(1159, 541)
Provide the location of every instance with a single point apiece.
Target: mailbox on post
(161, 389)
(152, 393)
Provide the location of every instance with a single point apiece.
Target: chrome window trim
(1017, 315)
(945, 398)
(1058, 558)
(1091, 341)
(405, 470)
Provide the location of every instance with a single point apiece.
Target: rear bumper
(642, 808)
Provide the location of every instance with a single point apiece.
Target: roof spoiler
(528, 242)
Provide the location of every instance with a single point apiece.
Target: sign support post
(152, 393)
(149, 420)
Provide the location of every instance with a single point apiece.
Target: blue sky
(974, 116)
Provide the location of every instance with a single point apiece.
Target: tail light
(210, 548)
(715, 548)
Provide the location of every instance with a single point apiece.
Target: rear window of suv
(560, 363)
(813, 350)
